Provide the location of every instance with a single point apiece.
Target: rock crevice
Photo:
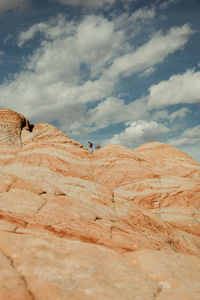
(28, 294)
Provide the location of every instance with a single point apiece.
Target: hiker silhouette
(90, 146)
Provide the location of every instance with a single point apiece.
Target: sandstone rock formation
(114, 224)
(11, 124)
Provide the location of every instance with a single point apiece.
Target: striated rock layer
(11, 124)
(114, 224)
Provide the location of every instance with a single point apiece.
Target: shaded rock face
(114, 224)
(11, 124)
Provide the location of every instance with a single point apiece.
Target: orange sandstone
(114, 224)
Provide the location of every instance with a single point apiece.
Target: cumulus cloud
(177, 114)
(62, 74)
(113, 110)
(6, 5)
(139, 132)
(151, 53)
(93, 42)
(188, 137)
(78, 64)
(180, 88)
(87, 3)
(108, 112)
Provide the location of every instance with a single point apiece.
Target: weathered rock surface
(113, 224)
(11, 124)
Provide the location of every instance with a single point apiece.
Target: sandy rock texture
(114, 224)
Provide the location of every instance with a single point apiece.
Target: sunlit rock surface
(114, 224)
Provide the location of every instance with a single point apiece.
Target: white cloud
(135, 23)
(192, 132)
(93, 42)
(180, 113)
(151, 53)
(87, 3)
(98, 42)
(188, 137)
(108, 112)
(69, 71)
(143, 14)
(165, 4)
(6, 5)
(58, 77)
(1, 54)
(139, 132)
(54, 28)
(148, 72)
(160, 115)
(181, 88)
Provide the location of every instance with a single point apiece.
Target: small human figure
(90, 145)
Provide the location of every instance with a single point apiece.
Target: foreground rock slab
(114, 224)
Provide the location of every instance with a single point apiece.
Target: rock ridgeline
(114, 224)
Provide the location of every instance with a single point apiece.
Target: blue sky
(111, 71)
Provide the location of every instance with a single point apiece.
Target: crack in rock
(91, 157)
(42, 206)
(8, 188)
(15, 229)
(20, 275)
(113, 201)
(111, 229)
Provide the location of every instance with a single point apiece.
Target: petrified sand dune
(114, 224)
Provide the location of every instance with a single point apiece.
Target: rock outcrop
(114, 224)
(11, 124)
